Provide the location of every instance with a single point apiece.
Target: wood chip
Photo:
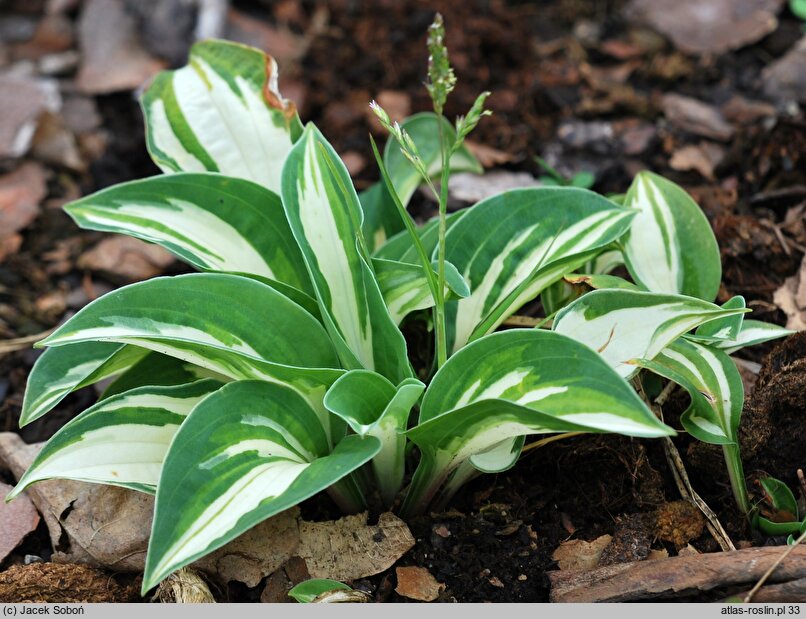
(577, 554)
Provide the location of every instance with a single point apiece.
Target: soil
(553, 77)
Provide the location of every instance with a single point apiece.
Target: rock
(23, 100)
(129, 258)
(702, 157)
(113, 58)
(696, 117)
(595, 135)
(468, 187)
(577, 554)
(21, 193)
(417, 583)
(711, 27)
(785, 79)
(17, 520)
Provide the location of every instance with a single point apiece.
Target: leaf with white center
(372, 406)
(245, 453)
(381, 219)
(511, 246)
(60, 371)
(630, 324)
(405, 287)
(670, 247)
(513, 383)
(234, 326)
(753, 332)
(712, 381)
(221, 113)
(121, 441)
(325, 217)
(212, 222)
(156, 370)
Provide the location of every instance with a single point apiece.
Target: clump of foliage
(281, 370)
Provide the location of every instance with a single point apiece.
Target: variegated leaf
(157, 370)
(511, 246)
(400, 247)
(713, 382)
(213, 222)
(405, 287)
(723, 328)
(325, 217)
(231, 325)
(513, 383)
(629, 324)
(670, 247)
(381, 219)
(60, 371)
(247, 452)
(753, 332)
(372, 406)
(221, 113)
(120, 441)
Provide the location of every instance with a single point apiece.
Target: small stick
(21, 343)
(749, 597)
(802, 482)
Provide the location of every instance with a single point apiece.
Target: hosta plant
(281, 370)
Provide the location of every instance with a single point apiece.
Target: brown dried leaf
(711, 27)
(22, 101)
(417, 583)
(472, 188)
(348, 548)
(702, 157)
(488, 156)
(785, 79)
(113, 58)
(696, 117)
(17, 519)
(791, 298)
(21, 192)
(126, 257)
(577, 554)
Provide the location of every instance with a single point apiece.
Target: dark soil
(495, 541)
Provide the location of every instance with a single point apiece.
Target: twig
(21, 343)
(768, 573)
(680, 474)
(521, 321)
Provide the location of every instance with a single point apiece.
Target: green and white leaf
(325, 217)
(721, 329)
(714, 384)
(212, 222)
(670, 247)
(381, 219)
(405, 287)
(511, 246)
(308, 590)
(513, 383)
(245, 453)
(231, 325)
(157, 370)
(120, 441)
(628, 324)
(400, 247)
(753, 332)
(373, 406)
(221, 113)
(60, 371)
